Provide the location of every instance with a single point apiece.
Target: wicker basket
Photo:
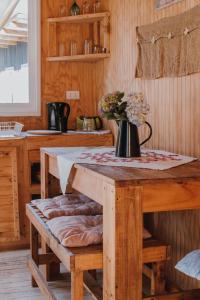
(9, 129)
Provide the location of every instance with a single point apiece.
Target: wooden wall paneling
(52, 39)
(60, 77)
(175, 110)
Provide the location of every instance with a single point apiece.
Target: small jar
(97, 49)
(89, 124)
(73, 48)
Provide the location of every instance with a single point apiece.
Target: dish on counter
(44, 132)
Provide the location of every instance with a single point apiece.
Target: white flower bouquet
(118, 106)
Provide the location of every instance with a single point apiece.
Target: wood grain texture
(9, 212)
(175, 109)
(77, 285)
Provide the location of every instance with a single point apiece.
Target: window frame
(33, 108)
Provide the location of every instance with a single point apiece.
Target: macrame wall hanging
(169, 47)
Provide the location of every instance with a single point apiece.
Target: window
(19, 57)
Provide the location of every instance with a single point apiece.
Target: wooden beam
(34, 245)
(45, 290)
(20, 23)
(15, 31)
(185, 295)
(8, 42)
(92, 286)
(48, 258)
(77, 285)
(13, 36)
(7, 45)
(8, 12)
(13, 39)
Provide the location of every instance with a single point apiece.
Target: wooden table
(126, 194)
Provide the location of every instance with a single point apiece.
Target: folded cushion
(190, 264)
(80, 231)
(77, 231)
(68, 205)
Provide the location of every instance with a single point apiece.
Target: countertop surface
(70, 132)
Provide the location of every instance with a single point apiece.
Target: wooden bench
(78, 260)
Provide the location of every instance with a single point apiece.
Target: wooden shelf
(100, 36)
(79, 58)
(89, 18)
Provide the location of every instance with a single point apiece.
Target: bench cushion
(77, 231)
(80, 231)
(68, 205)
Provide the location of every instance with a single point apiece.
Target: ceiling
(13, 22)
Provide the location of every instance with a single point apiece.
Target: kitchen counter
(70, 132)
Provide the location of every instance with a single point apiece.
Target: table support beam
(123, 226)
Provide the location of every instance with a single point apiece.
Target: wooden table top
(189, 171)
(186, 172)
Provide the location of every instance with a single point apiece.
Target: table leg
(123, 226)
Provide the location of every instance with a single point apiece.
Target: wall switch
(73, 95)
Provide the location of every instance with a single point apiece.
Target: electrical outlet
(73, 95)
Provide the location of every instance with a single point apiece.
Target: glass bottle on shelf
(88, 124)
(96, 6)
(62, 11)
(75, 9)
(73, 48)
(88, 47)
(86, 7)
(97, 49)
(61, 49)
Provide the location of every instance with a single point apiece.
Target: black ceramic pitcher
(128, 144)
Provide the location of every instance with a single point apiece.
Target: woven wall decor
(169, 47)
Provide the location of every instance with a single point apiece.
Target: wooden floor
(15, 281)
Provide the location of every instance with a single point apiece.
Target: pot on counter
(89, 123)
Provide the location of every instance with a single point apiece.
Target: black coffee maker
(58, 114)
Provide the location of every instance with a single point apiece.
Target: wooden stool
(78, 260)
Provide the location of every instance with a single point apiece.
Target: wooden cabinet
(9, 207)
